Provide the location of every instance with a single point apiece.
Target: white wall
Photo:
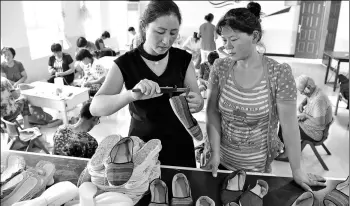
(342, 38)
(279, 32)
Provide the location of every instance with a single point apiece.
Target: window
(92, 19)
(44, 23)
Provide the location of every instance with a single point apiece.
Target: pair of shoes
(338, 196)
(180, 188)
(121, 166)
(43, 170)
(234, 193)
(282, 159)
(180, 107)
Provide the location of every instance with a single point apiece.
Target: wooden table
(340, 57)
(44, 95)
(282, 190)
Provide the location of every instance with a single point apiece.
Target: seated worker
(74, 140)
(100, 45)
(82, 43)
(193, 45)
(315, 112)
(94, 70)
(204, 71)
(132, 32)
(60, 65)
(12, 69)
(13, 104)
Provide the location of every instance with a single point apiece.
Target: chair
(15, 135)
(313, 145)
(340, 98)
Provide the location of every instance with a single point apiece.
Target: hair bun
(255, 8)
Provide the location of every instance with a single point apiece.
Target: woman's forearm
(21, 80)
(104, 105)
(291, 138)
(214, 130)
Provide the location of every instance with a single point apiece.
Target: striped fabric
(244, 125)
(180, 108)
(318, 105)
(336, 198)
(187, 201)
(119, 173)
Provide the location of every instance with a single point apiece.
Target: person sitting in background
(11, 69)
(315, 112)
(74, 140)
(60, 65)
(82, 43)
(100, 45)
(204, 70)
(192, 44)
(13, 104)
(132, 32)
(94, 71)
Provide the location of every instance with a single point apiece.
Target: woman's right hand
(149, 89)
(213, 163)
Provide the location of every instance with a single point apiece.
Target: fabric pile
(114, 169)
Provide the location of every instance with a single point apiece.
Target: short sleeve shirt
(13, 73)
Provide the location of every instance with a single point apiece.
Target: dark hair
(106, 34)
(212, 56)
(82, 54)
(85, 111)
(246, 20)
(209, 17)
(55, 47)
(131, 29)
(81, 42)
(10, 49)
(195, 36)
(156, 9)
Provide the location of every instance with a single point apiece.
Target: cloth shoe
(339, 196)
(181, 191)
(182, 111)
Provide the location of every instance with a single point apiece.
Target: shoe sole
(175, 108)
(14, 165)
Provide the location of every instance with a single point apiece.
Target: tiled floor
(337, 143)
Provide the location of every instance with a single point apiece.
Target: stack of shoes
(20, 183)
(125, 165)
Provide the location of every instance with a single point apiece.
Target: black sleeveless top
(134, 69)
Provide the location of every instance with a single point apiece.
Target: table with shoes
(39, 180)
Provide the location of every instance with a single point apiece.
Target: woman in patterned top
(248, 95)
(74, 140)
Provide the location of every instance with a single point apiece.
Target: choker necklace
(150, 57)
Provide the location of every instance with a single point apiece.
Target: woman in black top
(152, 65)
(60, 65)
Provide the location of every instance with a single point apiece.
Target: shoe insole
(121, 154)
(159, 194)
(236, 183)
(180, 188)
(24, 189)
(259, 190)
(204, 202)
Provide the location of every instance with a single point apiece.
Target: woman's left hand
(195, 102)
(307, 180)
